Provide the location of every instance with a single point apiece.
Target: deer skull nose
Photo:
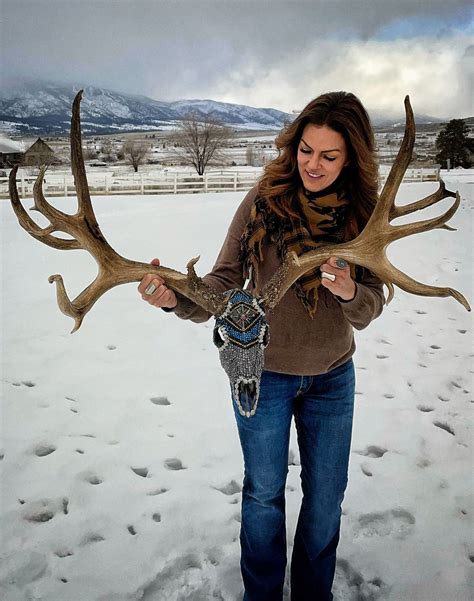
(247, 398)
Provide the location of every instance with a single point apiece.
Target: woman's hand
(343, 285)
(161, 296)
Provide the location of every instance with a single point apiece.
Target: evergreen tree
(453, 144)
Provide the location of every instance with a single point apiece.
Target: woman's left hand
(343, 286)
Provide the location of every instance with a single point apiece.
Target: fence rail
(174, 183)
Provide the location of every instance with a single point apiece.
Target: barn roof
(8, 146)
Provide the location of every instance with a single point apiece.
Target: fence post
(235, 181)
(22, 184)
(421, 174)
(65, 185)
(205, 182)
(106, 182)
(175, 191)
(142, 188)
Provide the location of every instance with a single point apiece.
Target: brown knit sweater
(298, 344)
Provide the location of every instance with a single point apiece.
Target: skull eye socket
(217, 337)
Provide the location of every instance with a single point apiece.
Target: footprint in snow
(92, 478)
(366, 470)
(425, 408)
(435, 347)
(292, 458)
(229, 489)
(444, 426)
(443, 398)
(389, 396)
(157, 491)
(91, 537)
(132, 530)
(372, 451)
(63, 553)
(462, 331)
(420, 312)
(111, 347)
(174, 464)
(28, 383)
(382, 356)
(2, 456)
(454, 384)
(140, 471)
(160, 400)
(156, 517)
(398, 523)
(350, 585)
(43, 450)
(423, 462)
(43, 510)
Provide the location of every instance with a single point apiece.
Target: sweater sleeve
(227, 272)
(367, 303)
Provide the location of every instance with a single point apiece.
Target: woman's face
(322, 154)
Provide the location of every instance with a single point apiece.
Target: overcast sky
(265, 53)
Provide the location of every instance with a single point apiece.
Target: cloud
(432, 71)
(272, 52)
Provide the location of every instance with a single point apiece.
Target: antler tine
(387, 197)
(409, 284)
(78, 168)
(399, 231)
(27, 223)
(41, 204)
(441, 192)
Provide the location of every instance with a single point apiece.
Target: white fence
(57, 184)
(107, 183)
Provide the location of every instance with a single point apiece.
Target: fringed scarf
(322, 218)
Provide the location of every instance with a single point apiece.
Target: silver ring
(150, 289)
(328, 276)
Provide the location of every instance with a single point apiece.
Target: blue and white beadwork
(241, 335)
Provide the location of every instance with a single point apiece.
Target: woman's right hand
(162, 296)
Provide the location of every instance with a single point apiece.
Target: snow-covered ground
(120, 463)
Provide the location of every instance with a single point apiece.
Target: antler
(85, 234)
(369, 248)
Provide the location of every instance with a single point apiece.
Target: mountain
(44, 108)
(39, 108)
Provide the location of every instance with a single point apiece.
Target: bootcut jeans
(322, 407)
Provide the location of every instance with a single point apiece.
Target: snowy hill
(38, 107)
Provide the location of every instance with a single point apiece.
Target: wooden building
(38, 154)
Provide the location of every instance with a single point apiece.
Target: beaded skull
(241, 335)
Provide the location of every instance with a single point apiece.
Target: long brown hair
(344, 113)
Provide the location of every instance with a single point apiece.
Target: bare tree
(135, 153)
(200, 140)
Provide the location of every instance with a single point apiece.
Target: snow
(120, 463)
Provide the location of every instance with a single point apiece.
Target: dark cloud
(175, 49)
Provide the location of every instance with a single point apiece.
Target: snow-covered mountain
(39, 107)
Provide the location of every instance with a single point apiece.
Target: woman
(322, 187)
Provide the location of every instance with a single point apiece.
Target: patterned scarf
(323, 217)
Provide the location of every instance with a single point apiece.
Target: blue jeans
(323, 407)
